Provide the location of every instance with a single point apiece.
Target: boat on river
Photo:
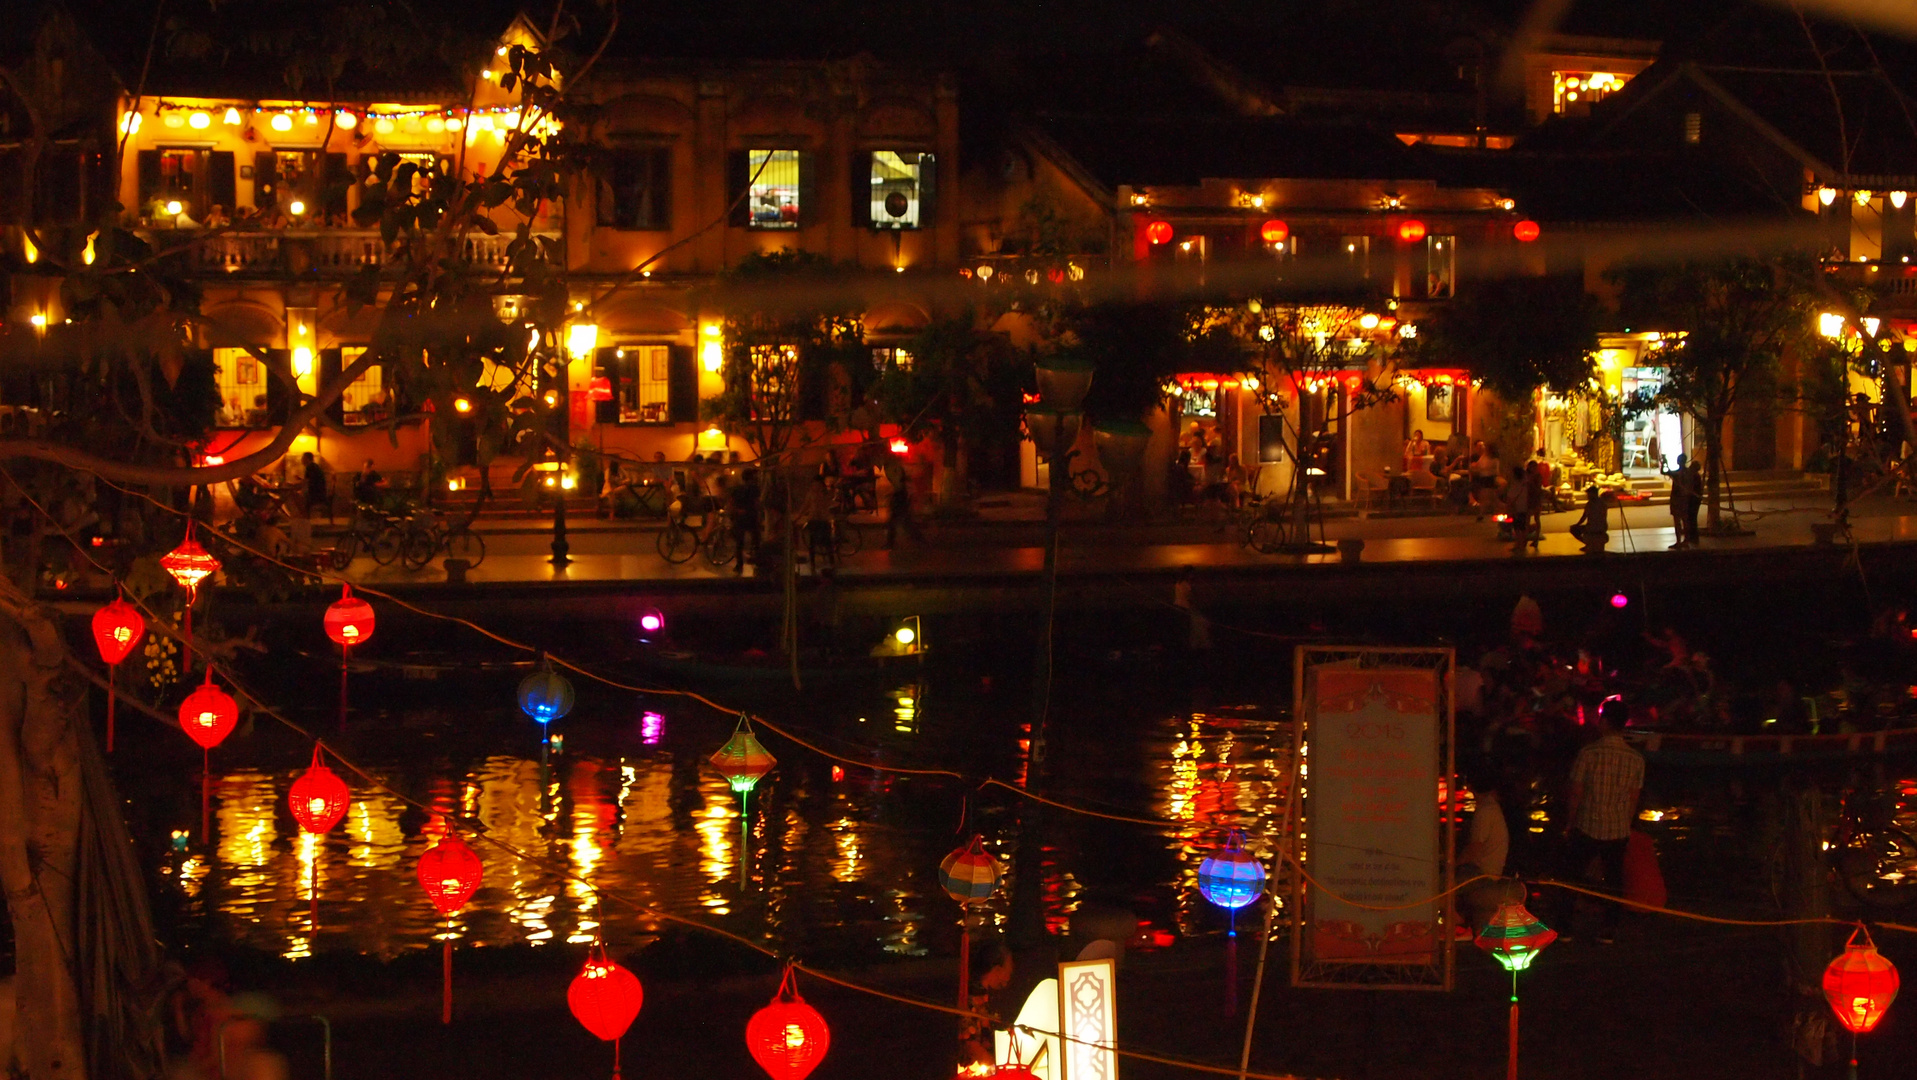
(1747, 751)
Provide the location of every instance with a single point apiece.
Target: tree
(1514, 335)
(1734, 321)
(964, 386)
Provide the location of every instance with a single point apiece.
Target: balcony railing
(325, 253)
(1890, 279)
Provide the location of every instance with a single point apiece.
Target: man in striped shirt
(1601, 803)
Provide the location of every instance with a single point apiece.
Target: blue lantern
(545, 695)
(1232, 877)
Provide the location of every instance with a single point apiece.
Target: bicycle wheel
(1264, 536)
(676, 543)
(386, 545)
(1879, 867)
(468, 545)
(847, 538)
(722, 548)
(344, 549)
(419, 547)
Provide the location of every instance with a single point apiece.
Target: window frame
(922, 199)
(377, 374)
(258, 386)
(797, 186)
(1440, 267)
(657, 167)
(634, 365)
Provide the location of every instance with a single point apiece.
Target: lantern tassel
(344, 652)
(745, 832)
(1511, 1071)
(113, 679)
(615, 1059)
(1231, 969)
(186, 639)
(206, 795)
(965, 962)
(312, 895)
(446, 994)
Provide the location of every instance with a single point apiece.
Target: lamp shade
(349, 620)
(319, 797)
(788, 1038)
(208, 714)
(1274, 231)
(1514, 937)
(604, 997)
(1411, 230)
(1159, 232)
(190, 564)
(1860, 985)
(743, 760)
(117, 628)
(545, 695)
(1526, 231)
(969, 875)
(1050, 428)
(450, 873)
(1231, 877)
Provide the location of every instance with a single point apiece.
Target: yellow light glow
(552, 398)
(581, 339)
(302, 362)
(1826, 195)
(28, 249)
(199, 121)
(174, 208)
(86, 253)
(1897, 198)
(312, 119)
(384, 125)
(487, 74)
(1368, 320)
(462, 405)
(296, 208)
(345, 120)
(1870, 325)
(282, 122)
(568, 481)
(1862, 197)
(173, 120)
(232, 117)
(905, 635)
(1830, 325)
(39, 321)
(435, 124)
(712, 356)
(130, 123)
(454, 123)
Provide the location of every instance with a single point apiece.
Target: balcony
(279, 254)
(1895, 282)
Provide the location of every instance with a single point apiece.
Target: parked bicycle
(711, 532)
(373, 532)
(430, 537)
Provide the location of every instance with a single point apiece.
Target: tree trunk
(1714, 449)
(1804, 895)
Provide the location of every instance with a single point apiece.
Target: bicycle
(425, 540)
(372, 532)
(1259, 525)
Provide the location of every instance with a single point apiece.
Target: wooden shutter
(605, 362)
(149, 165)
(659, 162)
(738, 177)
(682, 385)
(329, 372)
(928, 189)
(279, 401)
(605, 185)
(859, 188)
(221, 183)
(266, 180)
(334, 179)
(810, 212)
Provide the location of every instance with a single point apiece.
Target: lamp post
(1054, 423)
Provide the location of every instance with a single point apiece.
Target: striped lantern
(969, 875)
(1514, 937)
(743, 760)
(1231, 877)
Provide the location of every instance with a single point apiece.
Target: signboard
(1376, 736)
(1088, 1018)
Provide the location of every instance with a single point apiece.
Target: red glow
(349, 620)
(1411, 230)
(1159, 232)
(1526, 231)
(600, 390)
(319, 797)
(900, 446)
(1274, 231)
(117, 628)
(208, 714)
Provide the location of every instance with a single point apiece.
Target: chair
(1374, 486)
(1424, 485)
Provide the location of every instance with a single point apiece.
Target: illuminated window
(889, 358)
(241, 379)
(1577, 91)
(644, 383)
(1693, 128)
(1441, 266)
(365, 401)
(901, 184)
(772, 189)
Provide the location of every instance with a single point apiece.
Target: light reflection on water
(845, 863)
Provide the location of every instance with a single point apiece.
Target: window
(889, 358)
(241, 379)
(172, 176)
(1576, 91)
(772, 189)
(645, 383)
(901, 189)
(1441, 266)
(775, 382)
(366, 400)
(635, 189)
(1693, 128)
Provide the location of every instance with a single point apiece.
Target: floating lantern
(1526, 231)
(652, 621)
(349, 620)
(1411, 230)
(117, 628)
(1231, 877)
(1159, 232)
(208, 716)
(605, 998)
(1620, 601)
(1274, 232)
(450, 874)
(1056, 275)
(545, 695)
(1514, 937)
(318, 801)
(1860, 985)
(970, 875)
(788, 1038)
(743, 761)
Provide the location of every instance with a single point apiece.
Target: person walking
(1695, 472)
(899, 505)
(315, 486)
(1601, 803)
(744, 507)
(1683, 492)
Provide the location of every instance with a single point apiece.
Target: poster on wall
(1375, 729)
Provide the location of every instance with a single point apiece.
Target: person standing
(1695, 472)
(1601, 804)
(1682, 494)
(899, 505)
(744, 506)
(315, 486)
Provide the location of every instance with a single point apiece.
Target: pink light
(1620, 601)
(652, 622)
(652, 728)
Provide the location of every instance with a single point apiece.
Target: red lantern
(1055, 275)
(788, 1038)
(208, 714)
(319, 797)
(1159, 232)
(605, 998)
(349, 620)
(1860, 985)
(1526, 231)
(450, 873)
(117, 628)
(1274, 231)
(1411, 230)
(190, 564)
(600, 389)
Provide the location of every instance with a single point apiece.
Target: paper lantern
(1860, 985)
(742, 760)
(1514, 937)
(600, 389)
(652, 620)
(605, 997)
(1274, 231)
(319, 797)
(1159, 232)
(190, 564)
(117, 628)
(1620, 601)
(1411, 230)
(1526, 231)
(1231, 877)
(450, 873)
(208, 714)
(545, 695)
(788, 1038)
(349, 620)
(969, 875)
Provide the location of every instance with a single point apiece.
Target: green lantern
(1514, 937)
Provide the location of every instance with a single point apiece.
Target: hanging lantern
(652, 620)
(450, 873)
(1056, 275)
(1860, 985)
(1526, 231)
(743, 760)
(1274, 232)
(605, 997)
(1514, 937)
(1411, 230)
(1231, 877)
(545, 695)
(969, 875)
(208, 714)
(319, 797)
(1159, 232)
(349, 620)
(117, 628)
(788, 1038)
(190, 564)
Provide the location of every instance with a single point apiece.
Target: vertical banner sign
(1376, 750)
(1088, 1018)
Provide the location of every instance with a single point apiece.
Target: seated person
(1596, 521)
(1418, 446)
(367, 485)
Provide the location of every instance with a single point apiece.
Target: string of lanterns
(385, 121)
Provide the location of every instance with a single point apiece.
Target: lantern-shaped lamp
(1411, 230)
(1159, 232)
(605, 997)
(1231, 877)
(450, 873)
(1525, 231)
(117, 628)
(788, 1038)
(652, 621)
(1514, 937)
(349, 620)
(190, 564)
(1274, 231)
(319, 797)
(743, 759)
(545, 695)
(969, 875)
(208, 714)
(1860, 985)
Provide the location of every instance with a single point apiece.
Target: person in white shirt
(1601, 804)
(1486, 847)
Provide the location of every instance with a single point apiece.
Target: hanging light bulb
(232, 117)
(1826, 195)
(282, 122)
(1897, 198)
